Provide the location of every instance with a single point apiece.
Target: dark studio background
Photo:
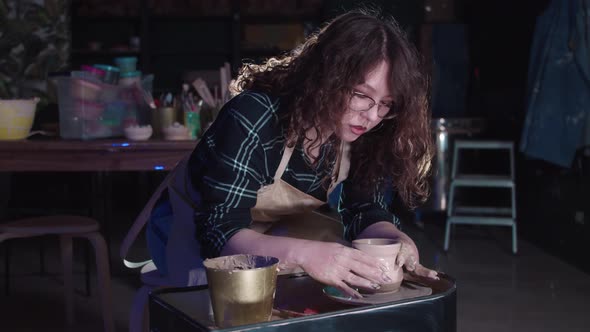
(481, 48)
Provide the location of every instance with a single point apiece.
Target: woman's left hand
(408, 257)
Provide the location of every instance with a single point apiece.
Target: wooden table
(58, 155)
(99, 157)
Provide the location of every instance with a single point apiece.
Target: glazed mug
(386, 250)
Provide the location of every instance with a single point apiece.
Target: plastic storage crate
(90, 109)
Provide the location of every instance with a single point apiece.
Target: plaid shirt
(240, 153)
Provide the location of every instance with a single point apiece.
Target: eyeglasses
(362, 103)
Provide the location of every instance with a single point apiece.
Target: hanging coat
(558, 96)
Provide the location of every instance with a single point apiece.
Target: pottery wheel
(407, 290)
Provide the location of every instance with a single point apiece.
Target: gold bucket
(242, 288)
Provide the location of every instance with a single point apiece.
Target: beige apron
(280, 210)
(284, 210)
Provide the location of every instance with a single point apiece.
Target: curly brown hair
(315, 82)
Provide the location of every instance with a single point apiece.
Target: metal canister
(242, 288)
(163, 117)
(446, 131)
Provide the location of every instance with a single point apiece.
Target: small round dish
(407, 290)
(138, 133)
(175, 132)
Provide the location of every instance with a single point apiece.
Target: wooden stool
(68, 227)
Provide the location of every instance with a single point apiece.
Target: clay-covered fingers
(354, 280)
(360, 272)
(346, 289)
(407, 257)
(425, 272)
(368, 267)
(343, 267)
(351, 283)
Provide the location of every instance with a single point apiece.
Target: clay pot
(386, 250)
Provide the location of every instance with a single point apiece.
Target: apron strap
(344, 163)
(340, 171)
(342, 167)
(144, 216)
(284, 161)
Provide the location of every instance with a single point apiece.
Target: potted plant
(35, 43)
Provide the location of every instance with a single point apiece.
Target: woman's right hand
(345, 268)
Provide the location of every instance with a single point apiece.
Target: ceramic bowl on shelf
(138, 133)
(176, 132)
(16, 118)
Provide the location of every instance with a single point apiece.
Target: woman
(348, 106)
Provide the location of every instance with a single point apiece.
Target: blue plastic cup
(126, 64)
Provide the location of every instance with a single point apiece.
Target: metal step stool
(479, 215)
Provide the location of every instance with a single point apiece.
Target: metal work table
(187, 309)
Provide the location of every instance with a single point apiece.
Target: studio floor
(497, 291)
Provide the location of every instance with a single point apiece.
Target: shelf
(218, 34)
(106, 19)
(104, 52)
(277, 19)
(184, 18)
(190, 53)
(262, 51)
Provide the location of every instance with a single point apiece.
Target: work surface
(300, 305)
(96, 155)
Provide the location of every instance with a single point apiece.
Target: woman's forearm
(247, 241)
(381, 229)
(329, 263)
